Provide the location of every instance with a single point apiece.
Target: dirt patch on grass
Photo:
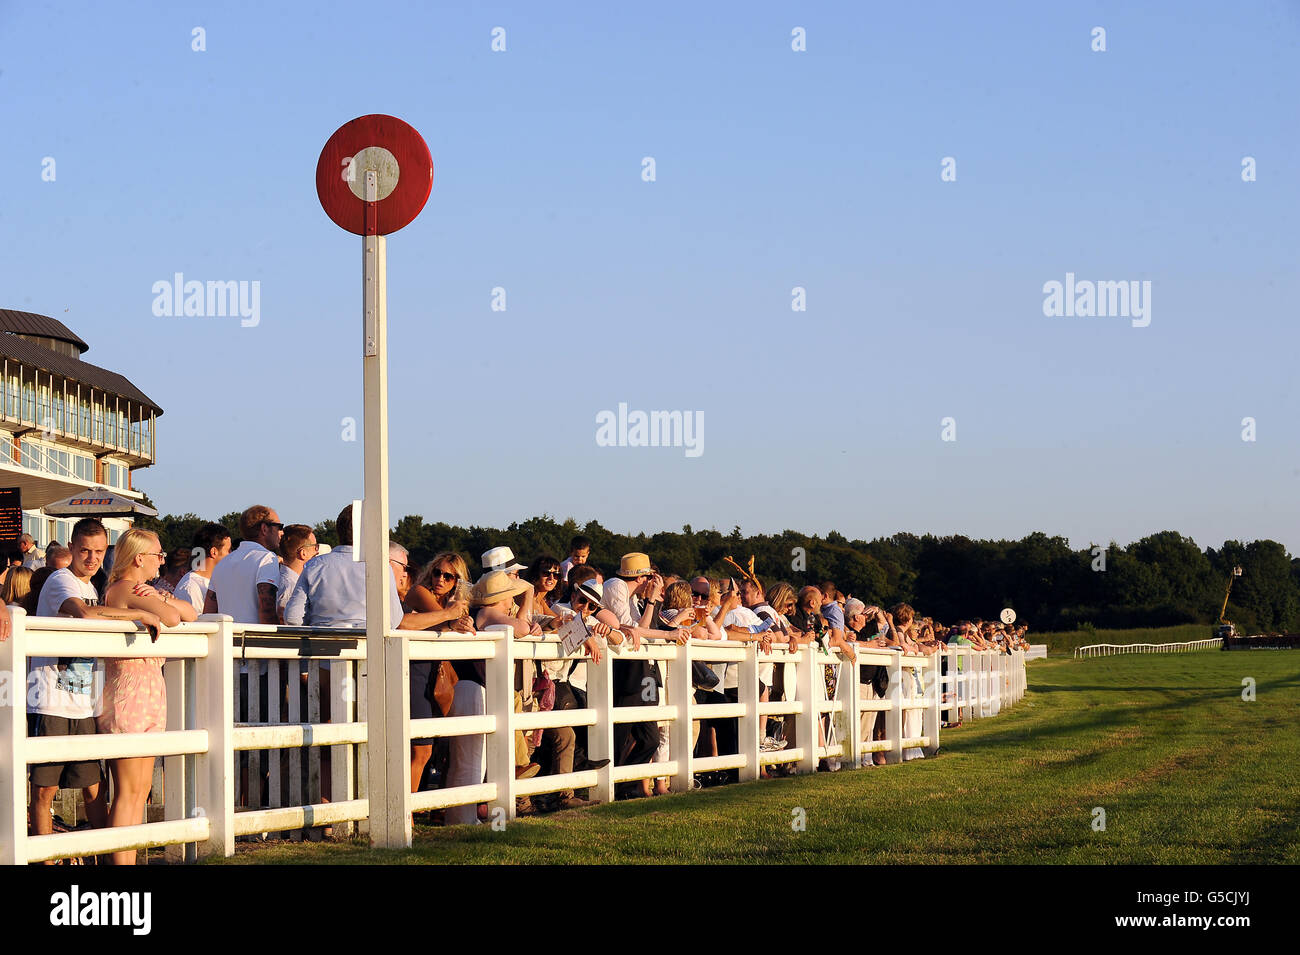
(1156, 772)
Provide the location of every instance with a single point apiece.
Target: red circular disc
(414, 173)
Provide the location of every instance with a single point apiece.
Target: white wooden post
(13, 742)
(177, 795)
(397, 660)
(312, 754)
(807, 675)
(930, 718)
(293, 693)
(500, 703)
(389, 775)
(682, 693)
(342, 760)
(852, 736)
(362, 775)
(274, 670)
(749, 724)
(894, 715)
(255, 792)
(215, 770)
(600, 736)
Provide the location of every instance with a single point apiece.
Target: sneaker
(771, 744)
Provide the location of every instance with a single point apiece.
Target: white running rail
(1110, 649)
(204, 739)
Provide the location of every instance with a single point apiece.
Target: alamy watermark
(654, 429)
(1087, 299)
(195, 299)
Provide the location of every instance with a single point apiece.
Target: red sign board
(399, 157)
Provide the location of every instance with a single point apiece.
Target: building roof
(29, 323)
(46, 359)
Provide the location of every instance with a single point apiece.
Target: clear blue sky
(774, 169)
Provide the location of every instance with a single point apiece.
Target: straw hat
(634, 564)
(494, 587)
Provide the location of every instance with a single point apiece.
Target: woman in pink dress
(135, 696)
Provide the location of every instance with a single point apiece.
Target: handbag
(703, 676)
(544, 694)
(442, 689)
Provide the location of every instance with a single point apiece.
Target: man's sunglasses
(274, 525)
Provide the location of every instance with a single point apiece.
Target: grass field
(1186, 771)
(1065, 641)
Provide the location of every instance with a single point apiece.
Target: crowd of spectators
(280, 575)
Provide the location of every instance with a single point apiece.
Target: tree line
(1160, 580)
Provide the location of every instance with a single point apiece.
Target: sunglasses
(698, 598)
(274, 525)
(551, 573)
(392, 560)
(444, 576)
(580, 601)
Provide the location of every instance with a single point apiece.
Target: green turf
(1186, 771)
(1065, 641)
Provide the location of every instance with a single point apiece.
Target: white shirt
(729, 673)
(194, 588)
(618, 599)
(76, 691)
(235, 580)
(284, 588)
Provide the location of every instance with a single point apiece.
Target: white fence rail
(235, 689)
(1111, 649)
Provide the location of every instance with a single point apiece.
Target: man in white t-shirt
(244, 583)
(64, 696)
(211, 544)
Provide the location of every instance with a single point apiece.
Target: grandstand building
(66, 425)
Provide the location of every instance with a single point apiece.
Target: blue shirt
(331, 592)
(833, 615)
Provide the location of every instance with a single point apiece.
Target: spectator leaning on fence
(243, 584)
(297, 546)
(65, 696)
(634, 597)
(135, 695)
(331, 591)
(433, 603)
(210, 545)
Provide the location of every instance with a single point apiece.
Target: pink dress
(135, 697)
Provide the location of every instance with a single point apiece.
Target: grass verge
(1186, 771)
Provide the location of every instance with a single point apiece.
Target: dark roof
(46, 359)
(29, 323)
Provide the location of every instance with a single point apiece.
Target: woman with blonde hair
(18, 584)
(433, 603)
(135, 696)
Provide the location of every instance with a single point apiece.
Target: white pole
(13, 740)
(389, 782)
